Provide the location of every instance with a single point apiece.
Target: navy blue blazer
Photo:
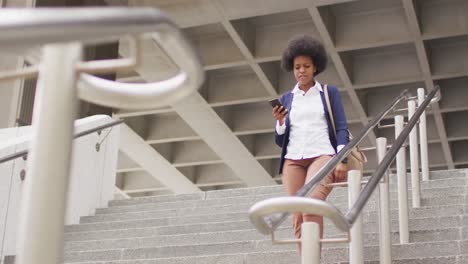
(342, 134)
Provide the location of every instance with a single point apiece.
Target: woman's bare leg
(294, 175)
(320, 192)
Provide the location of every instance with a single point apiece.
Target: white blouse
(308, 136)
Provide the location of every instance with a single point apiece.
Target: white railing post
(385, 238)
(414, 160)
(356, 246)
(423, 138)
(41, 228)
(310, 243)
(403, 219)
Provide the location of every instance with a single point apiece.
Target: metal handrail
(294, 204)
(275, 208)
(77, 135)
(383, 166)
(61, 77)
(26, 28)
(266, 225)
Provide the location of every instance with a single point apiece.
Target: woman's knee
(321, 192)
(312, 218)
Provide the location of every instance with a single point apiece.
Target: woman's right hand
(279, 112)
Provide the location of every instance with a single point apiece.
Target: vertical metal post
(414, 160)
(310, 243)
(356, 246)
(403, 219)
(423, 139)
(384, 206)
(44, 199)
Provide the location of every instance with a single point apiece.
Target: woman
(303, 128)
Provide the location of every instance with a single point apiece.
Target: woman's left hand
(341, 172)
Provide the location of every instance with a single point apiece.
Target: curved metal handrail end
(150, 95)
(131, 95)
(293, 204)
(155, 94)
(94, 25)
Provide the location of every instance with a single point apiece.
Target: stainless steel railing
(267, 215)
(26, 28)
(77, 135)
(268, 224)
(62, 77)
(383, 166)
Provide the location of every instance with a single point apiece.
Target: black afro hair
(304, 45)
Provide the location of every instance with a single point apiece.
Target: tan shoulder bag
(356, 158)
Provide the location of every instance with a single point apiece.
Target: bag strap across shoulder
(356, 153)
(330, 112)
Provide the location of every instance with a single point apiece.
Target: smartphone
(274, 102)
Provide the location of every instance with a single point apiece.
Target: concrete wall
(9, 92)
(92, 177)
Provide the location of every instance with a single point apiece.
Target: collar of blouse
(296, 89)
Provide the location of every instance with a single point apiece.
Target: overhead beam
(201, 117)
(124, 195)
(340, 68)
(203, 176)
(244, 49)
(217, 135)
(332, 2)
(154, 163)
(411, 15)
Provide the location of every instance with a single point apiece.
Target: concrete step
(276, 189)
(246, 199)
(239, 208)
(434, 175)
(338, 254)
(369, 217)
(291, 257)
(282, 257)
(445, 174)
(424, 212)
(278, 257)
(213, 227)
(153, 229)
(156, 216)
(159, 198)
(421, 224)
(372, 206)
(118, 216)
(447, 234)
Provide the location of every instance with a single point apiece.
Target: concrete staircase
(213, 227)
